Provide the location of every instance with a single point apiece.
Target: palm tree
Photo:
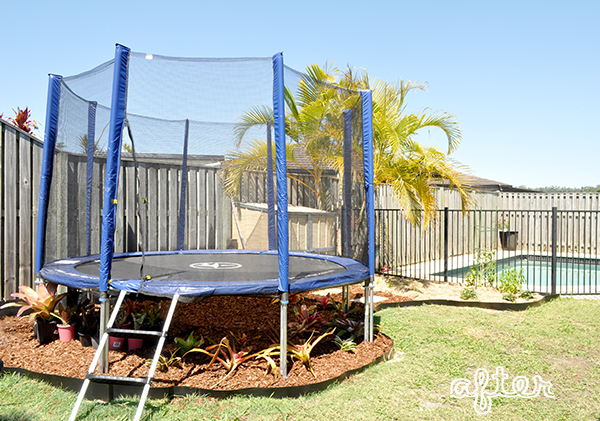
(314, 122)
(82, 144)
(412, 169)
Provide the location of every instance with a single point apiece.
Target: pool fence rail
(557, 250)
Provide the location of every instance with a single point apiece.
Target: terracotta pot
(45, 331)
(66, 333)
(133, 343)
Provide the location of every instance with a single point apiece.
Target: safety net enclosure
(190, 177)
(147, 153)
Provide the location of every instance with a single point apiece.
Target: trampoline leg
(283, 335)
(104, 315)
(368, 330)
(346, 298)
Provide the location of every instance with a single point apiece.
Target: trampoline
(195, 274)
(156, 215)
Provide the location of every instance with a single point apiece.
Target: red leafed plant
(22, 121)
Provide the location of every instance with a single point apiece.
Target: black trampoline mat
(214, 267)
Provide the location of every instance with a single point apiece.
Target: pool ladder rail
(126, 333)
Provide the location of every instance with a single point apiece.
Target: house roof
(485, 184)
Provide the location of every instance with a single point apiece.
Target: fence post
(554, 239)
(446, 214)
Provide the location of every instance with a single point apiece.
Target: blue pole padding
(113, 160)
(270, 192)
(91, 139)
(281, 168)
(367, 118)
(52, 105)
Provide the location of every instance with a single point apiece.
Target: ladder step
(126, 381)
(135, 334)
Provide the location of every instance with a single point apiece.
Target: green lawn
(559, 341)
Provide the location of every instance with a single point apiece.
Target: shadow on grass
(18, 415)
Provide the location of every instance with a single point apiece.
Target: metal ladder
(126, 333)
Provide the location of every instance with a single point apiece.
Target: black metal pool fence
(555, 250)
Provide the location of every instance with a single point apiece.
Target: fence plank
(210, 209)
(131, 225)
(202, 212)
(163, 219)
(192, 209)
(10, 212)
(25, 212)
(174, 195)
(153, 203)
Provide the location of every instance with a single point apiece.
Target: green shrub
(509, 297)
(526, 295)
(468, 294)
(510, 281)
(483, 272)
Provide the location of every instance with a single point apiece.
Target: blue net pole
(367, 121)
(182, 197)
(281, 167)
(270, 192)
(113, 159)
(54, 82)
(282, 214)
(91, 140)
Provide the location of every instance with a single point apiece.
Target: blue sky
(522, 77)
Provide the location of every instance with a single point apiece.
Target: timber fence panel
(9, 280)
(25, 212)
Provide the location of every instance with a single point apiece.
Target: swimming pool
(574, 275)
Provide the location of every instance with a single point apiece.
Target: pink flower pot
(66, 333)
(115, 343)
(133, 343)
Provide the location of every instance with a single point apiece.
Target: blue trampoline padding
(208, 272)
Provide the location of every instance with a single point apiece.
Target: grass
(560, 341)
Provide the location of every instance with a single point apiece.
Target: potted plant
(114, 342)
(153, 320)
(508, 239)
(66, 329)
(88, 326)
(138, 320)
(38, 306)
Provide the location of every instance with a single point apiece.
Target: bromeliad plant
(186, 345)
(165, 362)
(22, 121)
(307, 318)
(63, 314)
(325, 301)
(346, 345)
(41, 302)
(350, 328)
(302, 352)
(225, 353)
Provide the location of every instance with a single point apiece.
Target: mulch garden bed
(214, 318)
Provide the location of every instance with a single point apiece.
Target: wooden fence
(20, 161)
(209, 212)
(147, 204)
(156, 189)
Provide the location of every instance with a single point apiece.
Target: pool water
(573, 275)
